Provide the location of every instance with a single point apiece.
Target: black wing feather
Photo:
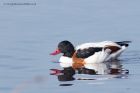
(84, 53)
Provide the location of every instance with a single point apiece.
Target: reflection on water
(114, 69)
(65, 84)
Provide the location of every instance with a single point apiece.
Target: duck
(84, 55)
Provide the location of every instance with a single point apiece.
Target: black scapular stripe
(84, 53)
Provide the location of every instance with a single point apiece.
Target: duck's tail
(124, 43)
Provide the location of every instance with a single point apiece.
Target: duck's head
(66, 48)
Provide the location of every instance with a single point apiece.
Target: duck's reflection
(106, 68)
(64, 75)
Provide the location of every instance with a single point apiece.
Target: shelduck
(86, 54)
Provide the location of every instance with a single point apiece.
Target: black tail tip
(124, 43)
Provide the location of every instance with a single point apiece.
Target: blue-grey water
(28, 33)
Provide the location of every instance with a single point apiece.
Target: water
(28, 33)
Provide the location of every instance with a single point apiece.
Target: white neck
(65, 61)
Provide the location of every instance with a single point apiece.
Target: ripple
(5, 88)
(19, 67)
(5, 56)
(4, 65)
(26, 59)
(29, 42)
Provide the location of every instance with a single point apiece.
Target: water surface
(28, 33)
